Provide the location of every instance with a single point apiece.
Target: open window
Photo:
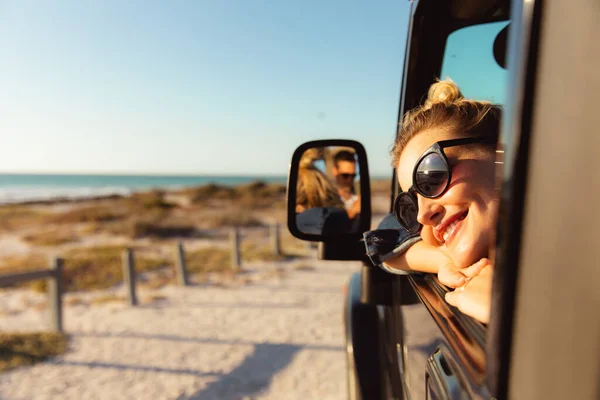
(469, 60)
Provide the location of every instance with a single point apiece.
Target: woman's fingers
(475, 269)
(451, 276)
(474, 298)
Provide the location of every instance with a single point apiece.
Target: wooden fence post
(275, 241)
(129, 275)
(55, 290)
(181, 269)
(235, 249)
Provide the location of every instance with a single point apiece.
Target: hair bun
(309, 157)
(445, 92)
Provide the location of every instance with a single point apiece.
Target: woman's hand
(474, 297)
(452, 276)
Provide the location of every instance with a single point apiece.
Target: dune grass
(142, 216)
(85, 268)
(253, 195)
(53, 237)
(154, 199)
(208, 259)
(143, 228)
(231, 218)
(101, 267)
(20, 216)
(22, 349)
(254, 252)
(96, 213)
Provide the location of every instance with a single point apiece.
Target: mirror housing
(325, 223)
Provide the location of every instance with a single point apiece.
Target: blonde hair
(446, 108)
(314, 189)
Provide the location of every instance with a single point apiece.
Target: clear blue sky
(200, 87)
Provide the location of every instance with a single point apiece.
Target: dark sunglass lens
(407, 211)
(432, 175)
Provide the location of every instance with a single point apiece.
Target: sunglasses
(431, 177)
(347, 176)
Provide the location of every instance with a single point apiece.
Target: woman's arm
(473, 283)
(420, 257)
(424, 257)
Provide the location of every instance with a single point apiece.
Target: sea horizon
(26, 187)
(31, 187)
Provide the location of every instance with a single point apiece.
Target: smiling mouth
(452, 226)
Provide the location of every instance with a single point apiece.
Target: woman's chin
(461, 262)
(466, 254)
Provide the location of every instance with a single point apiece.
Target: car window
(469, 61)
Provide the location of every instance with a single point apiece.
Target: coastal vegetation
(19, 349)
(91, 234)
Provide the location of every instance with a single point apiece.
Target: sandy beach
(271, 330)
(279, 335)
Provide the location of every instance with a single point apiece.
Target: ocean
(15, 188)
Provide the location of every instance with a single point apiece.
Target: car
(404, 341)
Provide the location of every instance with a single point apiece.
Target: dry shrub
(255, 194)
(101, 267)
(254, 252)
(209, 259)
(141, 228)
(262, 195)
(29, 262)
(154, 199)
(91, 228)
(85, 268)
(52, 237)
(17, 217)
(150, 204)
(19, 349)
(151, 224)
(103, 213)
(211, 191)
(259, 189)
(231, 219)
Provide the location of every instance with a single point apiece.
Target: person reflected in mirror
(445, 156)
(344, 173)
(319, 209)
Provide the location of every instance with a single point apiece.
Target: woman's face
(462, 220)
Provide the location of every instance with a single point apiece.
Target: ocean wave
(28, 194)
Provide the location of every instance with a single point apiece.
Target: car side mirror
(328, 193)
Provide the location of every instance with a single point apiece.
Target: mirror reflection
(328, 191)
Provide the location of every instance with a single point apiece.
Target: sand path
(280, 338)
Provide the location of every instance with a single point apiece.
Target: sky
(195, 87)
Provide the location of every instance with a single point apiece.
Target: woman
(319, 209)
(444, 155)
